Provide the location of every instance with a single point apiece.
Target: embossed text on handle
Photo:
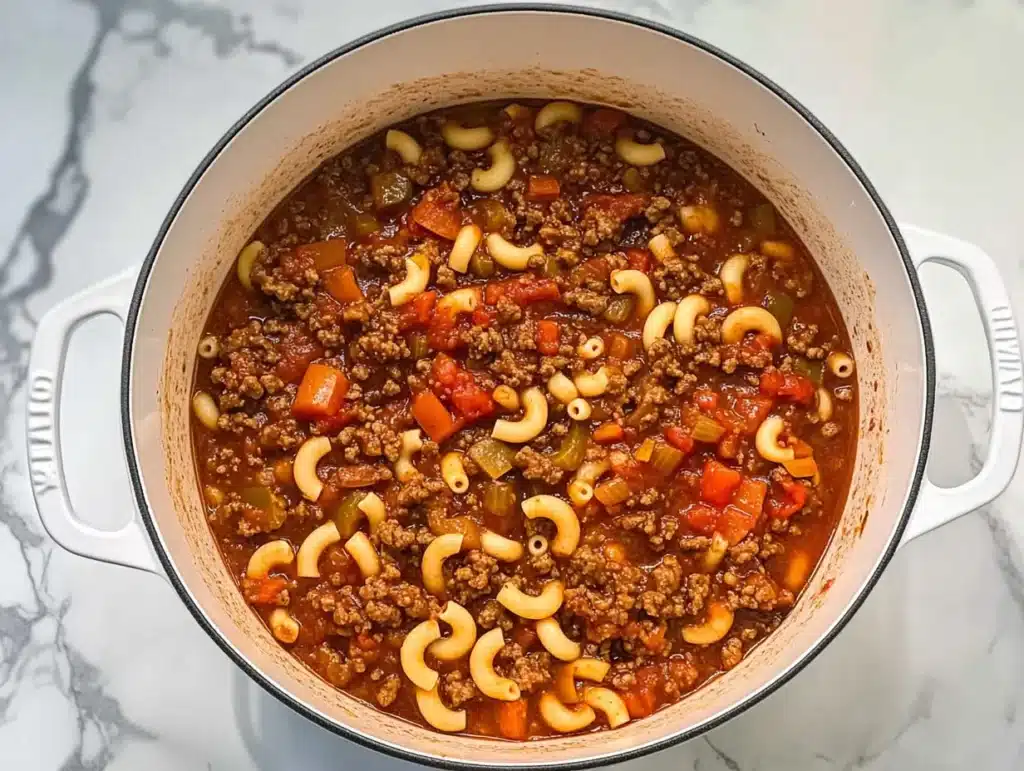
(1009, 385)
(42, 459)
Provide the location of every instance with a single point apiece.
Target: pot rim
(599, 759)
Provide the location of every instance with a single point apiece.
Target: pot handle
(938, 505)
(127, 546)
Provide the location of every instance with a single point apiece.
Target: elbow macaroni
(554, 640)
(605, 700)
(538, 545)
(283, 626)
(562, 388)
(716, 552)
(307, 561)
(508, 255)
(657, 323)
(699, 219)
(499, 547)
(432, 564)
(560, 717)
(661, 248)
(767, 441)
(590, 669)
(503, 167)
(246, 259)
(269, 556)
(524, 605)
(481, 668)
(731, 274)
(684, 323)
(209, 347)
(636, 154)
(580, 492)
(581, 488)
(506, 397)
(750, 318)
(535, 418)
(414, 646)
(462, 637)
(304, 467)
(839, 364)
(567, 524)
(465, 300)
(408, 149)
(557, 112)
(412, 443)
(824, 404)
(417, 276)
(373, 507)
(206, 410)
(779, 250)
(437, 714)
(467, 139)
(466, 242)
(717, 626)
(365, 556)
(590, 348)
(453, 472)
(578, 409)
(592, 384)
(636, 283)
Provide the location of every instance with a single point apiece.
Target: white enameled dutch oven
(664, 76)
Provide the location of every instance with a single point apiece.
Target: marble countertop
(108, 105)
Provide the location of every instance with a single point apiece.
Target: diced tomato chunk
(735, 524)
(787, 385)
(264, 591)
(320, 393)
(603, 121)
(417, 313)
(771, 381)
(542, 188)
(333, 424)
(522, 291)
(469, 401)
(482, 317)
(640, 700)
(701, 518)
(445, 370)
(717, 483)
(749, 496)
(787, 498)
(432, 416)
(705, 398)
(297, 351)
(679, 438)
(638, 259)
(618, 206)
(748, 412)
(547, 337)
(438, 212)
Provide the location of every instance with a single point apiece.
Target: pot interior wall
(531, 54)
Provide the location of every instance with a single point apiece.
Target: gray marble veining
(107, 106)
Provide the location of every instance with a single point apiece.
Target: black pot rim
(598, 760)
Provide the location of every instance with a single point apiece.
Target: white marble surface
(105, 108)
